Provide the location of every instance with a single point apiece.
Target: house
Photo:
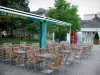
(89, 27)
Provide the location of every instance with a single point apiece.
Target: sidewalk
(88, 66)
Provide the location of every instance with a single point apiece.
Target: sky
(84, 6)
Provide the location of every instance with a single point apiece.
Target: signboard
(90, 29)
(12, 15)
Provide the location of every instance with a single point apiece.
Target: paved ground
(88, 66)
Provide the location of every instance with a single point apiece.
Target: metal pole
(53, 36)
(70, 35)
(43, 35)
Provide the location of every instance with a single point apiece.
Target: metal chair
(31, 59)
(56, 65)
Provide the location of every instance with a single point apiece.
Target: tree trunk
(2, 33)
(11, 33)
(29, 36)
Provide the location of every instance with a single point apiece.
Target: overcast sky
(84, 6)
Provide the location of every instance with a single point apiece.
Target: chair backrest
(22, 42)
(84, 48)
(36, 46)
(51, 50)
(73, 46)
(58, 44)
(9, 44)
(8, 49)
(16, 48)
(72, 55)
(68, 47)
(5, 45)
(36, 50)
(58, 61)
(50, 45)
(30, 54)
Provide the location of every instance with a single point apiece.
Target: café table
(43, 50)
(65, 54)
(21, 54)
(45, 57)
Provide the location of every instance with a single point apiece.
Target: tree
(64, 11)
(11, 22)
(16, 4)
(32, 28)
(3, 22)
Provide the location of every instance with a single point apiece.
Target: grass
(17, 41)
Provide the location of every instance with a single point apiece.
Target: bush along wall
(96, 39)
(96, 36)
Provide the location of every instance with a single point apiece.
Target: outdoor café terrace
(55, 59)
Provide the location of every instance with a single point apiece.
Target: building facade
(90, 26)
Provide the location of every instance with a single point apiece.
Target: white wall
(99, 34)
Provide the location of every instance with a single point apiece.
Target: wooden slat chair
(68, 47)
(10, 55)
(73, 46)
(4, 53)
(15, 55)
(56, 65)
(57, 47)
(78, 53)
(71, 58)
(78, 50)
(38, 51)
(16, 48)
(31, 59)
(51, 50)
(9, 44)
(5, 44)
(1, 51)
(22, 44)
(85, 51)
(90, 49)
(8, 52)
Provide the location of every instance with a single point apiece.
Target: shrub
(96, 36)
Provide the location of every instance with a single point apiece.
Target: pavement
(88, 66)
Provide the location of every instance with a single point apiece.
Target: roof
(96, 18)
(94, 23)
(40, 11)
(90, 24)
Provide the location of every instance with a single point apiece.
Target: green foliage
(16, 4)
(64, 11)
(11, 23)
(17, 41)
(96, 36)
(4, 21)
(33, 27)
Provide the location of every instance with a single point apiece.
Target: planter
(96, 41)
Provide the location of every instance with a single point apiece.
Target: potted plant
(96, 39)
